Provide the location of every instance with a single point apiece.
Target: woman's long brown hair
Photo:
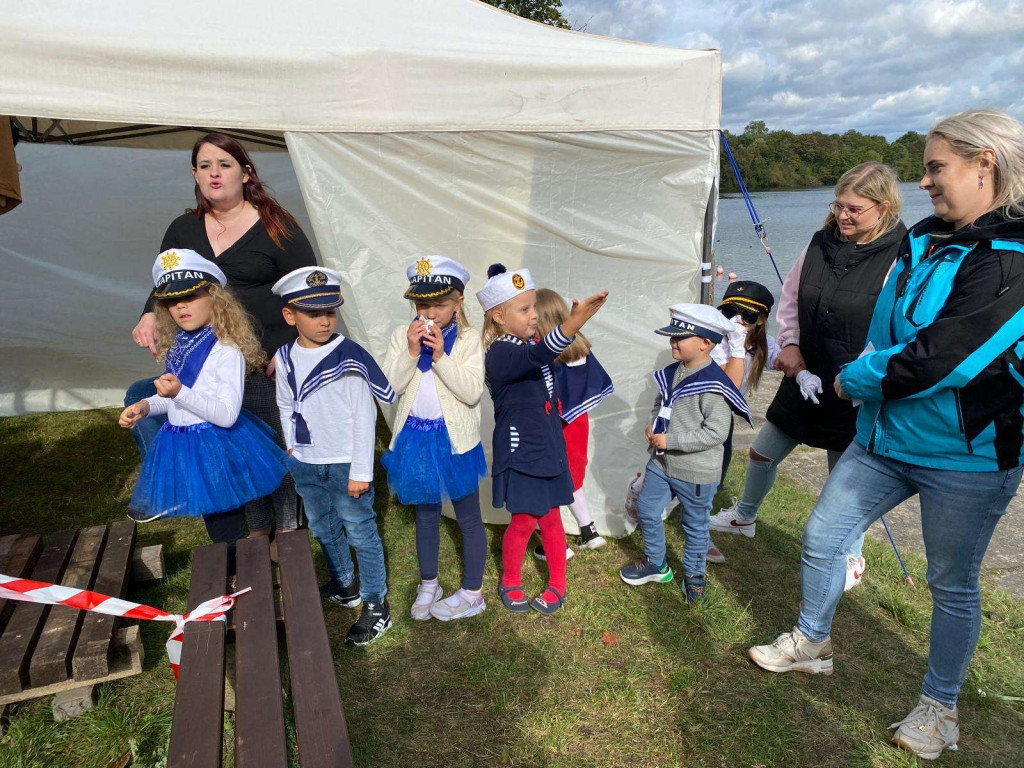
(275, 218)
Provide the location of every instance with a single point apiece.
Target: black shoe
(335, 592)
(374, 621)
(590, 538)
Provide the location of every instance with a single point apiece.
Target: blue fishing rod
(762, 235)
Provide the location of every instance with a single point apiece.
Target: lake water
(790, 217)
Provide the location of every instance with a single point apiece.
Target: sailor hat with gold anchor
(433, 277)
(180, 272)
(503, 285)
(310, 288)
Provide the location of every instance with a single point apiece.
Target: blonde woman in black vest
(823, 317)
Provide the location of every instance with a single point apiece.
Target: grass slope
(623, 677)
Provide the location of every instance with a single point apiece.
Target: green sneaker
(644, 571)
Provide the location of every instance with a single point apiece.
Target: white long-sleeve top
(720, 354)
(342, 416)
(215, 397)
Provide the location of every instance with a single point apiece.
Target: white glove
(737, 340)
(809, 385)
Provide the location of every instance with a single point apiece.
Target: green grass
(669, 686)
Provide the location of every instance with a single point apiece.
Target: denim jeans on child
(959, 512)
(338, 521)
(145, 429)
(695, 516)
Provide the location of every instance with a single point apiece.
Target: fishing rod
(762, 235)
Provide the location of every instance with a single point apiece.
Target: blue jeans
(775, 445)
(959, 512)
(145, 429)
(338, 521)
(694, 516)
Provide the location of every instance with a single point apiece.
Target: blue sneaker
(644, 571)
(693, 588)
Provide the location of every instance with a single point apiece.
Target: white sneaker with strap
(928, 730)
(427, 594)
(793, 652)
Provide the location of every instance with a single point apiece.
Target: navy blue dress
(530, 468)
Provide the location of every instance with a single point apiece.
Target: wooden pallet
(54, 650)
(260, 741)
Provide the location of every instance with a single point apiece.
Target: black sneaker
(335, 592)
(374, 621)
(590, 538)
(143, 517)
(538, 552)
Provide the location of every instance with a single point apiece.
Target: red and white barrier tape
(85, 600)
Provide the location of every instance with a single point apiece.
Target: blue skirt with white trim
(423, 468)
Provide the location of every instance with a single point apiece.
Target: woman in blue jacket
(942, 386)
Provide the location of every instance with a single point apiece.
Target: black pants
(226, 528)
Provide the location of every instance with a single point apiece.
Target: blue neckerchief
(582, 387)
(449, 333)
(710, 378)
(347, 357)
(187, 354)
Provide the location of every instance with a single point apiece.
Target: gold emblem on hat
(423, 266)
(170, 260)
(518, 282)
(739, 289)
(315, 279)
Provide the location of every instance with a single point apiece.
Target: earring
(981, 183)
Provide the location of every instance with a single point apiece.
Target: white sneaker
(426, 596)
(929, 729)
(538, 552)
(714, 553)
(728, 520)
(855, 567)
(793, 652)
(460, 605)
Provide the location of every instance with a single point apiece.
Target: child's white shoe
(428, 594)
(460, 605)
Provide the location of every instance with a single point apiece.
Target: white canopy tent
(442, 127)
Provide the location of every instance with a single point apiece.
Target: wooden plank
(26, 622)
(51, 663)
(259, 709)
(21, 559)
(148, 563)
(92, 653)
(319, 721)
(6, 542)
(197, 723)
(127, 661)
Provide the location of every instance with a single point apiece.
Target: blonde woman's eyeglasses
(853, 211)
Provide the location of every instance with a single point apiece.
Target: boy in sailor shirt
(325, 389)
(691, 421)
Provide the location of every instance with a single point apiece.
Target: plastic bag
(633, 493)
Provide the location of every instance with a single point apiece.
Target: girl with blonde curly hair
(211, 457)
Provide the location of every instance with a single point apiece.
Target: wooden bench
(56, 650)
(260, 736)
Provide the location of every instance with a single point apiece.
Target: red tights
(517, 538)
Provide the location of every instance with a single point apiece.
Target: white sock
(579, 508)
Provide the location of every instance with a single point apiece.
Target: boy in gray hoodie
(691, 421)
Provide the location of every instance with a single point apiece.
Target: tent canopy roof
(341, 66)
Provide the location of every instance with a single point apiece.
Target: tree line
(770, 159)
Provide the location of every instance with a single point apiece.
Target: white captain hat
(696, 320)
(311, 288)
(503, 285)
(181, 272)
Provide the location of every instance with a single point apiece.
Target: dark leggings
(474, 540)
(226, 528)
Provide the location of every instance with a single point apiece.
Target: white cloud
(885, 66)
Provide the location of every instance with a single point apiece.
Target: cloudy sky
(880, 67)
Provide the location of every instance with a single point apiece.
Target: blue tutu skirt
(423, 469)
(520, 493)
(202, 469)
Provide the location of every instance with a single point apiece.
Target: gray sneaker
(460, 605)
(793, 652)
(929, 729)
(426, 596)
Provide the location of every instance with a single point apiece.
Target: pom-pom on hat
(696, 320)
(433, 277)
(311, 288)
(180, 272)
(503, 285)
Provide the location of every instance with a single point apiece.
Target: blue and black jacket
(943, 384)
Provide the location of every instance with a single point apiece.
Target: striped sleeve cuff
(557, 341)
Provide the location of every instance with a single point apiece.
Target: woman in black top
(237, 224)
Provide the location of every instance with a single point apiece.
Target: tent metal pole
(707, 256)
